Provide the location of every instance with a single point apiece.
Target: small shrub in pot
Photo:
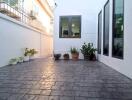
(13, 61)
(88, 51)
(74, 53)
(66, 56)
(32, 53)
(27, 54)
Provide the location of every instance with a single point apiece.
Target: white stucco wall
(15, 36)
(88, 9)
(124, 66)
(40, 13)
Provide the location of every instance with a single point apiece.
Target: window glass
(64, 27)
(75, 25)
(14, 3)
(70, 26)
(106, 30)
(99, 32)
(118, 27)
(6, 1)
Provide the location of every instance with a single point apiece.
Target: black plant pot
(86, 57)
(57, 56)
(92, 57)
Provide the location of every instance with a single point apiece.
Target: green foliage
(88, 49)
(30, 52)
(33, 52)
(16, 60)
(13, 61)
(27, 52)
(74, 51)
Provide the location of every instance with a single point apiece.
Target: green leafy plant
(16, 60)
(33, 52)
(13, 61)
(27, 52)
(88, 50)
(30, 52)
(74, 51)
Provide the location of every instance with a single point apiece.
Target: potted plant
(27, 54)
(66, 56)
(57, 56)
(88, 51)
(20, 59)
(13, 61)
(92, 54)
(74, 53)
(32, 53)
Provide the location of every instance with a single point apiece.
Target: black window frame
(104, 29)
(70, 17)
(113, 10)
(100, 34)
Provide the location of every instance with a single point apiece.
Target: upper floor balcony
(16, 10)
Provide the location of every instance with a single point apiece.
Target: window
(106, 30)
(11, 2)
(70, 27)
(99, 32)
(14, 3)
(118, 26)
(35, 8)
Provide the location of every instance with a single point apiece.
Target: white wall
(88, 9)
(124, 66)
(15, 36)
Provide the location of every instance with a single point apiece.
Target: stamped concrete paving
(63, 80)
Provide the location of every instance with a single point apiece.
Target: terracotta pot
(66, 58)
(75, 56)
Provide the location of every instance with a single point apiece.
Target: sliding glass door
(99, 31)
(118, 28)
(106, 29)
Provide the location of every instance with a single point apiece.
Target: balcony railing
(11, 9)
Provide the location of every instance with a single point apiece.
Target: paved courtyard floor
(63, 80)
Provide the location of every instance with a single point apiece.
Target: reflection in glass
(64, 27)
(99, 31)
(70, 26)
(75, 22)
(13, 3)
(106, 30)
(118, 26)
